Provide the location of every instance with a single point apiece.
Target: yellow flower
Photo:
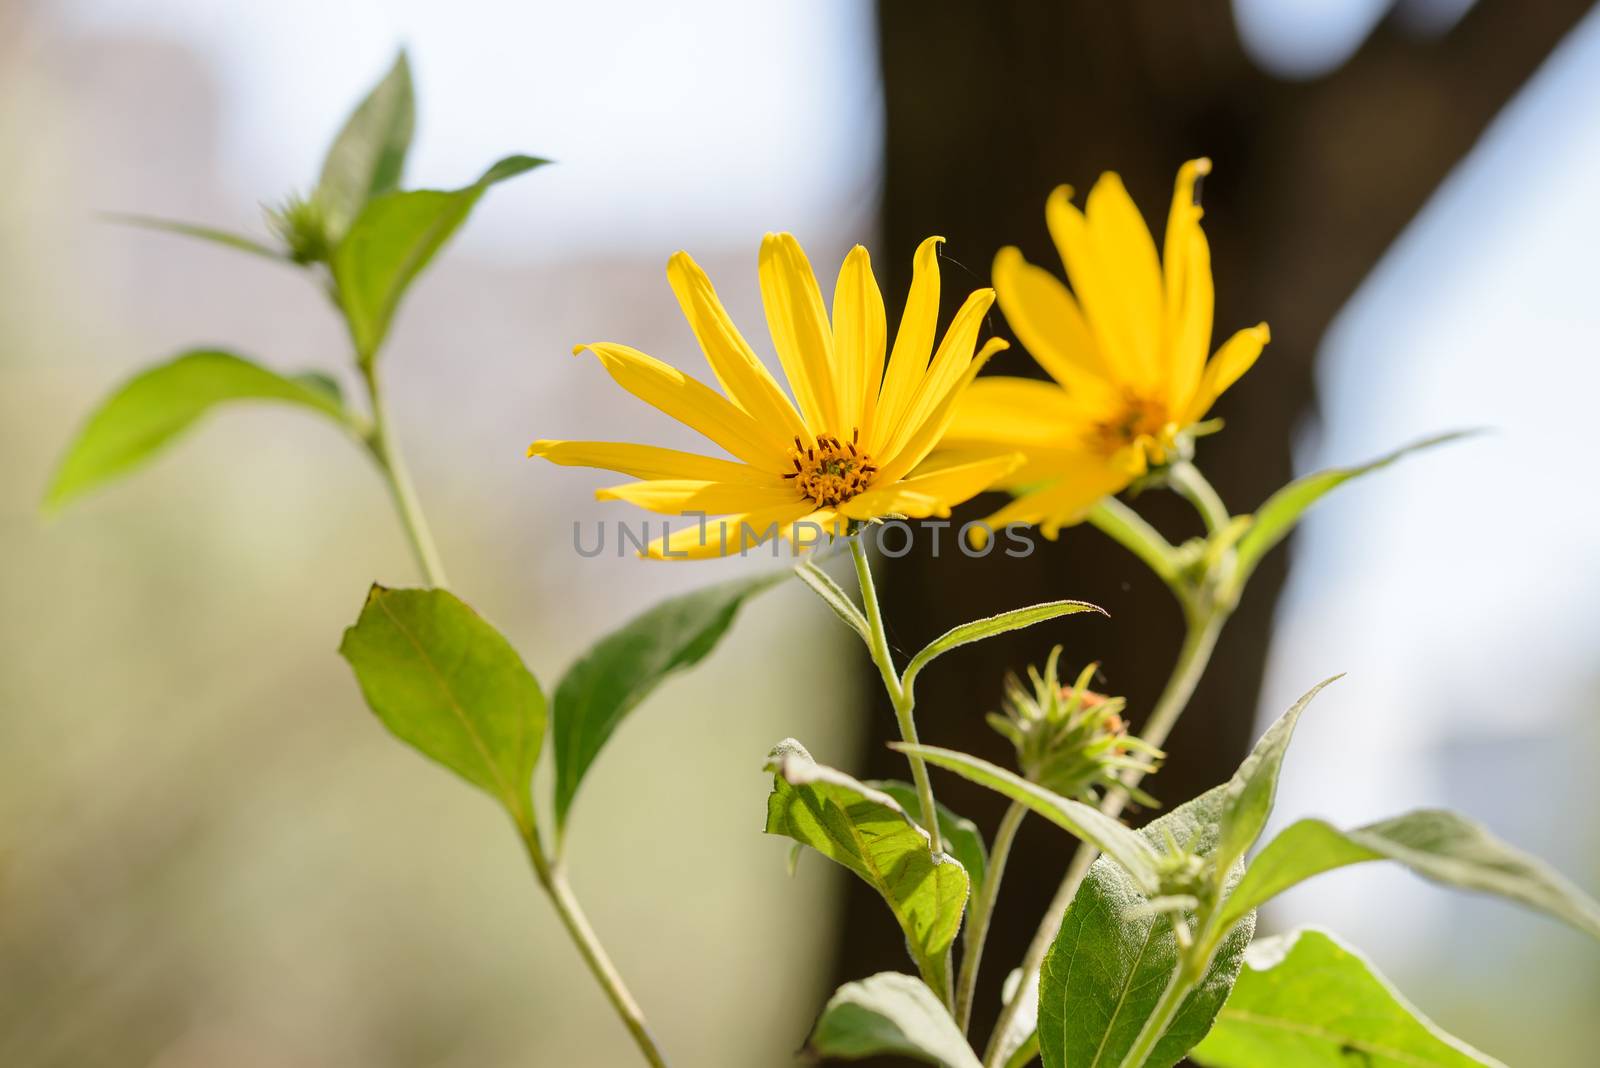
(850, 444)
(1126, 349)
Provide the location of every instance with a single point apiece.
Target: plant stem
(381, 443)
(982, 911)
(379, 440)
(1186, 478)
(1160, 1018)
(899, 696)
(554, 882)
(1200, 639)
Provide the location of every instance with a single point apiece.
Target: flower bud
(302, 225)
(1070, 739)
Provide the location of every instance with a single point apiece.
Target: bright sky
(729, 119)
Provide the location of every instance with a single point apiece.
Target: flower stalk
(981, 912)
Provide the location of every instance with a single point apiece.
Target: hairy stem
(565, 902)
(1186, 478)
(1160, 1018)
(982, 911)
(1199, 641)
(381, 443)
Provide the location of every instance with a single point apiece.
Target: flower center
(1138, 418)
(832, 471)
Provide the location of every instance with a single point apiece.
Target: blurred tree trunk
(989, 106)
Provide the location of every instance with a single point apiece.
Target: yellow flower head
(849, 445)
(1126, 348)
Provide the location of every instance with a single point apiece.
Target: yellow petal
(860, 336)
(1127, 254)
(647, 461)
(913, 345)
(1186, 264)
(1080, 486)
(690, 402)
(800, 330)
(948, 367)
(1233, 359)
(1049, 325)
(684, 496)
(930, 431)
(1095, 285)
(729, 535)
(742, 374)
(1021, 412)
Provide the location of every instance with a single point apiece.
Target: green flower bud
(1070, 739)
(302, 224)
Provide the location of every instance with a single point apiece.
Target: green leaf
(368, 156)
(1127, 848)
(393, 239)
(608, 682)
(1306, 1000)
(961, 836)
(979, 629)
(1440, 846)
(889, 1014)
(1248, 796)
(1113, 957)
(822, 584)
(1277, 517)
(158, 404)
(226, 238)
(868, 832)
(450, 685)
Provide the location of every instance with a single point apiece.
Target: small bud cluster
(302, 225)
(1070, 739)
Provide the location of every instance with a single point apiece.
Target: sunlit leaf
(1113, 957)
(158, 404)
(1278, 515)
(1127, 848)
(1248, 796)
(1019, 1045)
(450, 685)
(1438, 845)
(393, 239)
(979, 629)
(868, 832)
(961, 836)
(368, 156)
(1305, 1000)
(620, 670)
(889, 1015)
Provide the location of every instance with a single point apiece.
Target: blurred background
(210, 854)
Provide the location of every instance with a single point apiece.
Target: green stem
(381, 443)
(554, 881)
(1199, 641)
(982, 911)
(1160, 1018)
(1186, 478)
(900, 696)
(552, 878)
(1129, 529)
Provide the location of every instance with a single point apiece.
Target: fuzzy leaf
(450, 685)
(1438, 845)
(1248, 796)
(158, 404)
(1306, 1000)
(1113, 957)
(962, 838)
(620, 670)
(868, 832)
(979, 629)
(887, 1015)
(1279, 514)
